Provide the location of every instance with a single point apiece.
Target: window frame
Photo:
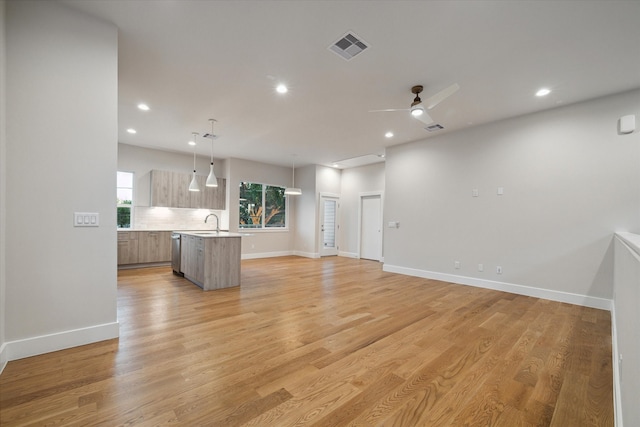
(263, 228)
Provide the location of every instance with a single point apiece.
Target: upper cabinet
(171, 189)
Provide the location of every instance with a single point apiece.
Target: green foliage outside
(124, 217)
(259, 199)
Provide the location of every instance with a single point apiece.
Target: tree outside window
(262, 206)
(124, 191)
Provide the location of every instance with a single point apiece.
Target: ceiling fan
(419, 108)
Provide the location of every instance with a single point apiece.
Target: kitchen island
(210, 259)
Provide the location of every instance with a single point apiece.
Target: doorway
(371, 226)
(329, 225)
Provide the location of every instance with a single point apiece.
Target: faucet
(217, 221)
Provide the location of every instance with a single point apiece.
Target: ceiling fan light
(417, 110)
(291, 191)
(212, 181)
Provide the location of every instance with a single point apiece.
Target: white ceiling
(195, 60)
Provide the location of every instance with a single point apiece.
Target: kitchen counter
(210, 259)
(208, 234)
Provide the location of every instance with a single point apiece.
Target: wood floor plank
(323, 342)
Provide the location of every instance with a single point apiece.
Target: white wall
(569, 182)
(626, 344)
(61, 145)
(306, 212)
(3, 187)
(364, 179)
(260, 243)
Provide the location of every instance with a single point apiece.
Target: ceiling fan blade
(436, 99)
(424, 118)
(389, 109)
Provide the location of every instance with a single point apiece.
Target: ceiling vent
(348, 46)
(434, 128)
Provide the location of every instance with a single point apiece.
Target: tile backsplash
(156, 218)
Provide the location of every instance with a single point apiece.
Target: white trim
(348, 254)
(632, 241)
(617, 392)
(361, 196)
(321, 249)
(267, 255)
(306, 254)
(61, 340)
(583, 300)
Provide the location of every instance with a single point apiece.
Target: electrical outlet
(498, 270)
(456, 265)
(480, 267)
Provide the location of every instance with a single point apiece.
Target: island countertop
(209, 234)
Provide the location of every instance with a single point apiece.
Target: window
(124, 192)
(262, 206)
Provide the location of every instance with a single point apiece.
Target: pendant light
(293, 191)
(212, 181)
(193, 186)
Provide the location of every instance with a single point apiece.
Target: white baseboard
(3, 357)
(583, 300)
(306, 254)
(348, 254)
(279, 254)
(20, 349)
(267, 255)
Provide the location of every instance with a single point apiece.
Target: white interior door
(371, 228)
(328, 225)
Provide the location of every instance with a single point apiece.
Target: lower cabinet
(127, 247)
(144, 247)
(211, 262)
(154, 246)
(192, 258)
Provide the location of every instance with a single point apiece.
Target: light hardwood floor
(331, 342)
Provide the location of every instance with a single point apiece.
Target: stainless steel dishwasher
(175, 253)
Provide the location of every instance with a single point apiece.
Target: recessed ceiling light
(132, 131)
(281, 88)
(143, 107)
(335, 165)
(191, 143)
(389, 134)
(543, 92)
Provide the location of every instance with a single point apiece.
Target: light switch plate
(86, 219)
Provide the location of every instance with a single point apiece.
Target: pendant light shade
(212, 181)
(293, 191)
(193, 186)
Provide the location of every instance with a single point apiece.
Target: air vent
(348, 46)
(434, 128)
